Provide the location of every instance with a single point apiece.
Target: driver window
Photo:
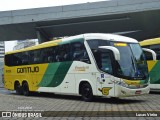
(103, 60)
(106, 62)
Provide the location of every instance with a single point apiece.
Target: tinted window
(68, 52)
(79, 53)
(103, 60)
(94, 44)
(148, 55)
(156, 49)
(106, 61)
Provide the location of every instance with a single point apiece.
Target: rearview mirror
(150, 51)
(115, 51)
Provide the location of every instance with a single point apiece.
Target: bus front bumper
(125, 92)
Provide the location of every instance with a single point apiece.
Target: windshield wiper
(133, 64)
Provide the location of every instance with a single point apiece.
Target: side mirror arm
(114, 50)
(150, 51)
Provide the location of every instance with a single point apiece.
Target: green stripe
(55, 74)
(144, 81)
(71, 41)
(155, 74)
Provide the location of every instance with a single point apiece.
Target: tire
(25, 89)
(115, 98)
(86, 92)
(18, 88)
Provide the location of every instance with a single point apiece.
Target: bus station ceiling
(138, 19)
(136, 25)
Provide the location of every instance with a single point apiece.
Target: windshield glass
(132, 62)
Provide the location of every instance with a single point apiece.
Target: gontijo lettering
(28, 69)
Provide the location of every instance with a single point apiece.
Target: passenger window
(36, 56)
(31, 57)
(65, 52)
(24, 58)
(79, 52)
(61, 53)
(18, 58)
(9, 60)
(46, 54)
(50, 54)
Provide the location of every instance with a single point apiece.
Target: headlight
(121, 83)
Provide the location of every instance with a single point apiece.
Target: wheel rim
(86, 92)
(25, 89)
(17, 87)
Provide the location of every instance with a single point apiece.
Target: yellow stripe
(151, 64)
(43, 45)
(132, 82)
(150, 42)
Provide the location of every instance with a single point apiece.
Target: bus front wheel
(25, 89)
(86, 92)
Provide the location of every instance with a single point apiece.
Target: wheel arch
(83, 81)
(25, 81)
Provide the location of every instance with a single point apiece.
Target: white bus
(89, 64)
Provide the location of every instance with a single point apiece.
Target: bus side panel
(55, 75)
(69, 84)
(9, 77)
(8, 83)
(32, 74)
(83, 72)
(154, 70)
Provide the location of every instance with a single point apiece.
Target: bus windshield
(132, 63)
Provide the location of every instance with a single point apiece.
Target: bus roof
(111, 37)
(87, 36)
(150, 42)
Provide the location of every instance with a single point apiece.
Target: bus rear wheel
(18, 88)
(25, 89)
(86, 92)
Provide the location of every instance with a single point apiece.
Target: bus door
(105, 85)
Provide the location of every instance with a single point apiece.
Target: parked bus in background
(92, 64)
(153, 66)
